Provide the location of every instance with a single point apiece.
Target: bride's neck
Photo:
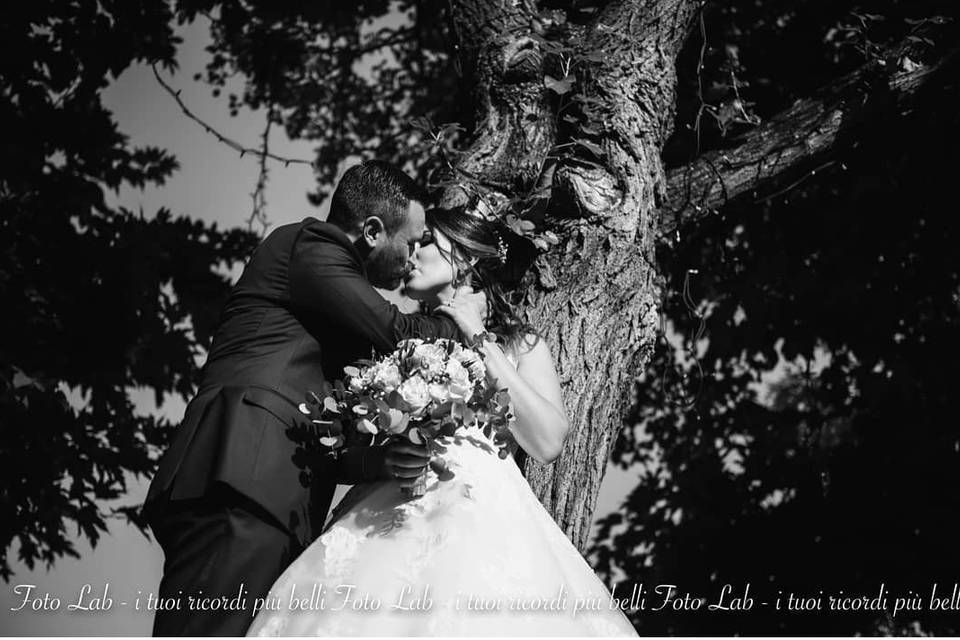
(440, 297)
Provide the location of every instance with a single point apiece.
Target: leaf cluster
(807, 439)
(97, 300)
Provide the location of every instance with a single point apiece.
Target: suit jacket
(300, 312)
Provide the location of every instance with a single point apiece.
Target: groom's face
(389, 262)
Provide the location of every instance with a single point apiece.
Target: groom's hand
(404, 462)
(468, 310)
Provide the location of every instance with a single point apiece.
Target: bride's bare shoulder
(530, 345)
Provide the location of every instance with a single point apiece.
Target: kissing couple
(476, 553)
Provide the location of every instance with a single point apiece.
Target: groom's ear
(373, 228)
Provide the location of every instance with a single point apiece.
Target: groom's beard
(386, 269)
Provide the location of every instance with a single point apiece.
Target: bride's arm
(541, 421)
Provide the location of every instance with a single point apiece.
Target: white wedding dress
(476, 555)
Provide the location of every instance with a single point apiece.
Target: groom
(228, 504)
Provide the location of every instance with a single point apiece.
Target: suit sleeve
(359, 463)
(326, 280)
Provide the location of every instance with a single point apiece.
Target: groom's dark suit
(227, 503)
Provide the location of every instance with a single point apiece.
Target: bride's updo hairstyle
(493, 258)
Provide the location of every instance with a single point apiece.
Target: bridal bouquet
(423, 390)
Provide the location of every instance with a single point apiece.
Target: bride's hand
(468, 310)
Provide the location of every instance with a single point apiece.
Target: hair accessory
(479, 208)
(501, 248)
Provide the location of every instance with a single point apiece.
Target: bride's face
(433, 267)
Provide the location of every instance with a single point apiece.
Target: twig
(236, 146)
(797, 183)
(259, 195)
(703, 107)
(703, 104)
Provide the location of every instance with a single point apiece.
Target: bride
(477, 554)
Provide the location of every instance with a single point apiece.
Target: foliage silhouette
(840, 476)
(818, 450)
(96, 299)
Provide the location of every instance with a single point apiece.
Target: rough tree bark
(800, 137)
(597, 297)
(599, 308)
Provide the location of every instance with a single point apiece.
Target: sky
(213, 184)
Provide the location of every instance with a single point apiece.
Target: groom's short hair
(373, 188)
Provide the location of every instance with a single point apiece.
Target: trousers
(221, 552)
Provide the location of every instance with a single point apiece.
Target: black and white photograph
(527, 318)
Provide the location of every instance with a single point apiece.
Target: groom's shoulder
(313, 234)
(318, 240)
(310, 230)
(314, 229)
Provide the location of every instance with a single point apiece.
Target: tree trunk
(597, 304)
(597, 301)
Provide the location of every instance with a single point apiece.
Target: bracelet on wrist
(476, 342)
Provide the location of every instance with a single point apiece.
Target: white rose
(460, 384)
(387, 377)
(439, 392)
(430, 358)
(473, 363)
(457, 372)
(430, 350)
(361, 382)
(415, 392)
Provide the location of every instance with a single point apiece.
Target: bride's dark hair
(501, 258)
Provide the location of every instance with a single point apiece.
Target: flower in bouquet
(461, 382)
(422, 391)
(471, 361)
(415, 392)
(429, 358)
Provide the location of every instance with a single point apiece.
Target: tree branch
(401, 36)
(803, 135)
(259, 195)
(233, 144)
